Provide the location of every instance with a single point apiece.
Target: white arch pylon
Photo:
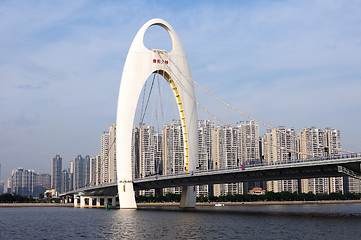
(139, 65)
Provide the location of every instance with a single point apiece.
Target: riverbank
(198, 203)
(252, 203)
(36, 205)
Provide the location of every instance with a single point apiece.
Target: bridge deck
(325, 168)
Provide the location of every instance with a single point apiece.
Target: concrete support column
(114, 201)
(82, 201)
(91, 202)
(188, 197)
(76, 199)
(98, 201)
(105, 201)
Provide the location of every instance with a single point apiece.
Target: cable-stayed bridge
(174, 68)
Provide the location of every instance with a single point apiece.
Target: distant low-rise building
(257, 191)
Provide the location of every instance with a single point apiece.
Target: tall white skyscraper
(158, 154)
(65, 180)
(79, 172)
(112, 153)
(320, 143)
(87, 170)
(93, 171)
(105, 157)
(334, 143)
(147, 154)
(205, 136)
(225, 155)
(22, 182)
(248, 150)
(135, 153)
(173, 151)
(275, 144)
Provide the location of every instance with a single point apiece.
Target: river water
(314, 221)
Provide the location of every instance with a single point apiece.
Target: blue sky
(290, 63)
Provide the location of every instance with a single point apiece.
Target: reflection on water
(342, 221)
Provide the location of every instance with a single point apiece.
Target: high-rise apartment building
(225, 147)
(98, 169)
(22, 182)
(316, 142)
(135, 153)
(158, 154)
(112, 153)
(147, 154)
(206, 130)
(71, 176)
(249, 150)
(225, 152)
(41, 184)
(93, 171)
(280, 145)
(28, 183)
(9, 185)
(86, 170)
(147, 158)
(173, 151)
(66, 180)
(2, 185)
(57, 173)
(333, 146)
(79, 172)
(352, 185)
(105, 157)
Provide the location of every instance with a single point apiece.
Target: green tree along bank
(169, 197)
(16, 198)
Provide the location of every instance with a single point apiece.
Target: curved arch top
(140, 63)
(138, 42)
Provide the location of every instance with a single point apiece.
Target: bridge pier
(76, 201)
(97, 199)
(188, 197)
(84, 201)
(68, 199)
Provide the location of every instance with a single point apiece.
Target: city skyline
(105, 161)
(219, 147)
(305, 65)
